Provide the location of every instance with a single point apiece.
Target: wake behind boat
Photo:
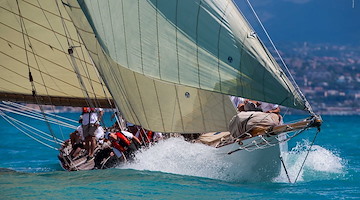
(167, 66)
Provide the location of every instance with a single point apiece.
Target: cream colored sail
(35, 36)
(170, 64)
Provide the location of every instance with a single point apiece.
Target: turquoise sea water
(30, 170)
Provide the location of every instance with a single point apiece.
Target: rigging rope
(34, 93)
(32, 137)
(267, 142)
(66, 31)
(34, 115)
(307, 104)
(113, 107)
(84, 66)
(312, 143)
(75, 66)
(287, 174)
(24, 125)
(29, 130)
(22, 107)
(87, 75)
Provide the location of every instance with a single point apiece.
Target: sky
(313, 21)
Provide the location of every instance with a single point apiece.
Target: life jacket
(146, 136)
(122, 143)
(150, 135)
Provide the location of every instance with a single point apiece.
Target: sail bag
(245, 123)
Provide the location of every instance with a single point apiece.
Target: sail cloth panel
(206, 44)
(152, 103)
(47, 37)
(165, 107)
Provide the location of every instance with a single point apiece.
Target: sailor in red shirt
(122, 143)
(119, 141)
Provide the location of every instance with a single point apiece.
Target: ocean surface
(178, 170)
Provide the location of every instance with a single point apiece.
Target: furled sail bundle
(34, 60)
(170, 65)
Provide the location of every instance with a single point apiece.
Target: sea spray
(321, 164)
(177, 156)
(180, 157)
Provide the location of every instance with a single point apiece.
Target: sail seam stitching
(158, 102)
(29, 36)
(140, 39)
(157, 38)
(218, 47)
(35, 23)
(176, 40)
(141, 99)
(121, 88)
(178, 100)
(23, 30)
(197, 41)
(125, 36)
(39, 57)
(40, 82)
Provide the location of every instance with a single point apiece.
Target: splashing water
(177, 156)
(180, 157)
(320, 164)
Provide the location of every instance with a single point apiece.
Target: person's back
(90, 123)
(271, 108)
(268, 107)
(89, 118)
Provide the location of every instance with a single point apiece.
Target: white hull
(257, 165)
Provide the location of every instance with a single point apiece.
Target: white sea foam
(321, 163)
(179, 157)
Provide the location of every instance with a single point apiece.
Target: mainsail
(35, 65)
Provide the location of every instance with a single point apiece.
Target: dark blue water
(30, 170)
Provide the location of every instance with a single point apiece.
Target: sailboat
(167, 65)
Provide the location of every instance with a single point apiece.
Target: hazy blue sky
(320, 21)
